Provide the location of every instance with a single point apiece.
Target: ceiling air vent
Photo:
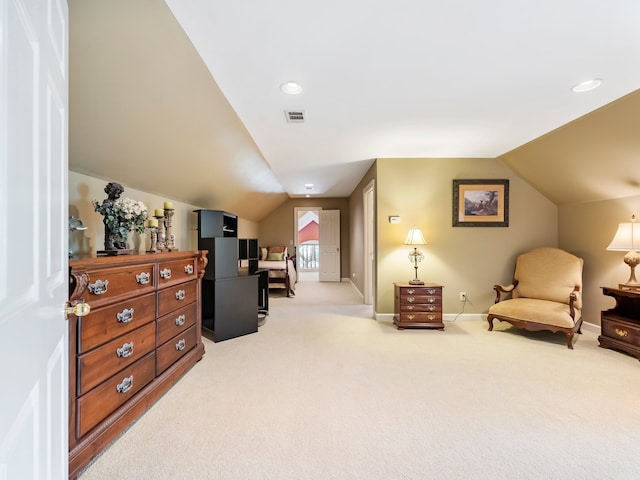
(294, 116)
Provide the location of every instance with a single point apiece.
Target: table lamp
(625, 241)
(415, 237)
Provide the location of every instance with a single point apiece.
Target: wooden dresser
(621, 324)
(418, 306)
(142, 334)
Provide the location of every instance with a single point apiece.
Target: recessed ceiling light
(587, 85)
(307, 195)
(291, 88)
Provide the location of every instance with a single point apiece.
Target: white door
(329, 245)
(33, 239)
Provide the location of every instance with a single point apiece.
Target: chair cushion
(549, 274)
(538, 311)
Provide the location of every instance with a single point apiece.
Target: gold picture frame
(481, 203)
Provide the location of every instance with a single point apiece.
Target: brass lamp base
(416, 282)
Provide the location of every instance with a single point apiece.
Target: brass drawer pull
(188, 269)
(143, 278)
(99, 287)
(431, 308)
(431, 300)
(411, 291)
(431, 317)
(126, 385)
(181, 344)
(125, 350)
(410, 307)
(180, 320)
(166, 273)
(125, 316)
(411, 317)
(411, 299)
(622, 333)
(180, 295)
(431, 291)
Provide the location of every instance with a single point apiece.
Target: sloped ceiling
(145, 111)
(595, 157)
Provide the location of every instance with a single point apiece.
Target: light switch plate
(394, 219)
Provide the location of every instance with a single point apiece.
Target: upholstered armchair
(546, 293)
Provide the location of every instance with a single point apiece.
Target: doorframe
(368, 201)
(295, 231)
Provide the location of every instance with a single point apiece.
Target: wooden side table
(418, 306)
(620, 326)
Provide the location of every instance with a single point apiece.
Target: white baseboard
(482, 317)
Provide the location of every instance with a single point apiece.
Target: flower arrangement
(121, 215)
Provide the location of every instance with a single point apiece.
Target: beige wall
(586, 229)
(460, 258)
(278, 227)
(83, 189)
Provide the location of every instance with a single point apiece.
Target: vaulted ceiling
(198, 116)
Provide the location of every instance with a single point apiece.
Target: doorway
(307, 235)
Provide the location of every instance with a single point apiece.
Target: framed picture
(481, 203)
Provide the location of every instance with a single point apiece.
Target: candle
(159, 212)
(168, 205)
(153, 222)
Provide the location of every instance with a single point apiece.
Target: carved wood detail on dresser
(142, 334)
(418, 306)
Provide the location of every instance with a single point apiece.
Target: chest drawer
(101, 401)
(410, 307)
(176, 271)
(420, 300)
(175, 297)
(175, 348)
(175, 322)
(104, 361)
(101, 325)
(421, 291)
(120, 282)
(620, 330)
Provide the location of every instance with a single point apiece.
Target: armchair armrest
(575, 301)
(500, 289)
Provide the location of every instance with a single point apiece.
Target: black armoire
(229, 295)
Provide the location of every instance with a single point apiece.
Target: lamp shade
(415, 237)
(626, 238)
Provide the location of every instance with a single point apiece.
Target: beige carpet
(323, 391)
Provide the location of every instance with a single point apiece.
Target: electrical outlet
(463, 296)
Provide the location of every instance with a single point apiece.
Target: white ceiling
(408, 78)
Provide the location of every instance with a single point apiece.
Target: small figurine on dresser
(120, 216)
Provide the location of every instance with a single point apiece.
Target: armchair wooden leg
(490, 320)
(570, 340)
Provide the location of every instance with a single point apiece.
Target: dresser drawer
(410, 307)
(101, 363)
(420, 318)
(420, 300)
(101, 401)
(421, 290)
(175, 348)
(104, 324)
(176, 271)
(620, 330)
(118, 283)
(175, 322)
(175, 297)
